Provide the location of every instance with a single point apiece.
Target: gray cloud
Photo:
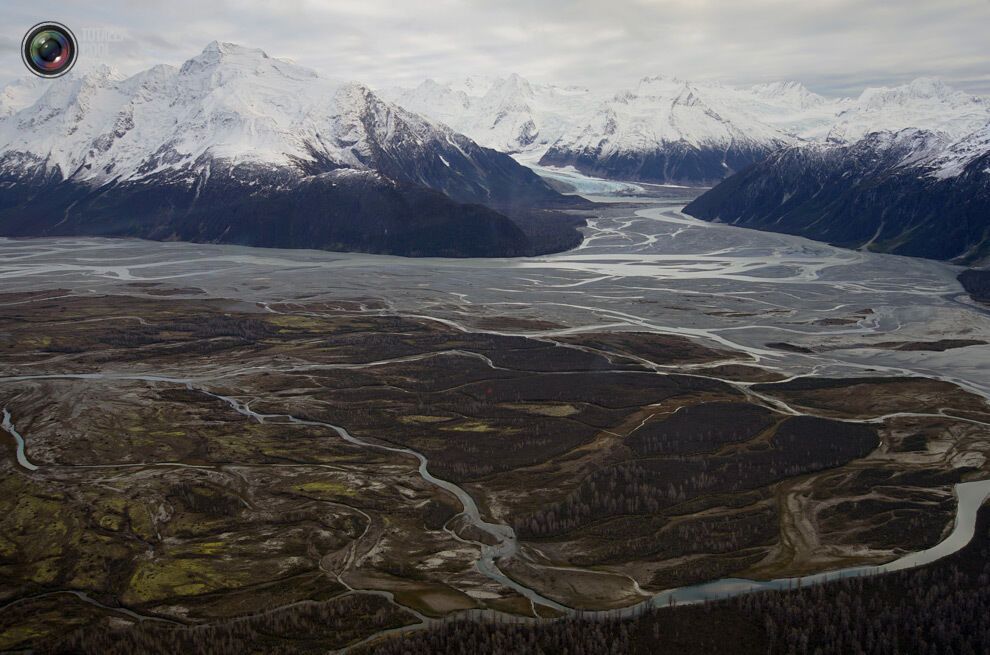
(835, 47)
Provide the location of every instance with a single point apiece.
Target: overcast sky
(835, 47)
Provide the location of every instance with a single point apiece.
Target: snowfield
(665, 113)
(229, 103)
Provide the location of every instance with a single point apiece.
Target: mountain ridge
(667, 130)
(912, 192)
(233, 126)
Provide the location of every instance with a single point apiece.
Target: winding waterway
(643, 266)
(970, 497)
(8, 426)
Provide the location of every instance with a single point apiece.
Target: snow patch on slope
(514, 115)
(229, 103)
(509, 114)
(959, 155)
(924, 103)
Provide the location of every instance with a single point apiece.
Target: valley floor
(296, 451)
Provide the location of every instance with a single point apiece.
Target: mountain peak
(20, 93)
(227, 49)
(218, 53)
(99, 75)
(245, 142)
(232, 61)
(930, 86)
(660, 86)
(922, 88)
(514, 87)
(789, 93)
(660, 77)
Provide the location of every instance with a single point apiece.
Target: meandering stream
(970, 497)
(8, 427)
(642, 267)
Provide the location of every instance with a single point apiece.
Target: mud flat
(237, 440)
(198, 460)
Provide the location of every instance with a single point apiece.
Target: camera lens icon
(49, 49)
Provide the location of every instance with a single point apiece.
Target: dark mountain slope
(238, 147)
(896, 193)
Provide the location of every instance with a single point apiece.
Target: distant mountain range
(239, 147)
(911, 192)
(235, 146)
(902, 169)
(667, 130)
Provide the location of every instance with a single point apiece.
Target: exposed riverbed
(643, 266)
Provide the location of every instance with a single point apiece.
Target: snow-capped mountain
(925, 103)
(903, 170)
(508, 114)
(663, 130)
(233, 130)
(673, 131)
(670, 130)
(912, 192)
(900, 169)
(238, 146)
(623, 135)
(19, 94)
(961, 155)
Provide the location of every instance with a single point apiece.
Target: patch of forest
(940, 608)
(700, 429)
(308, 627)
(800, 445)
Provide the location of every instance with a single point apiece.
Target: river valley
(342, 402)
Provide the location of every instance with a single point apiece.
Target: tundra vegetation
(185, 484)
